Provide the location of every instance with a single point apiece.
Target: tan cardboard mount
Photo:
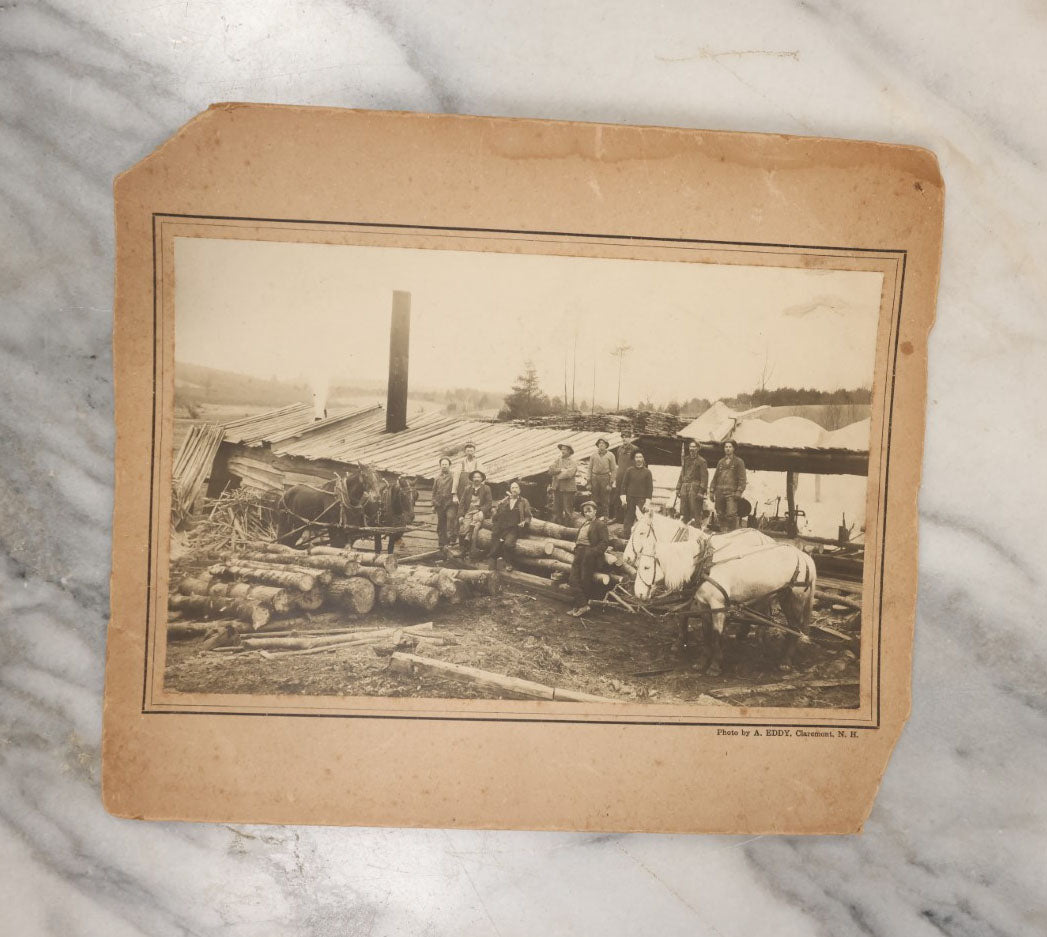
(342, 176)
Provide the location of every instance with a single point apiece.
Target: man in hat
(637, 491)
(511, 515)
(445, 504)
(602, 469)
(473, 510)
(564, 471)
(464, 473)
(625, 461)
(593, 540)
(693, 483)
(727, 487)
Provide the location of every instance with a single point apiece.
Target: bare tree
(620, 351)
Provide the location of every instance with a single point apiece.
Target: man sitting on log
(593, 540)
(474, 508)
(511, 516)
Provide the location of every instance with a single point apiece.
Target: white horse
(741, 567)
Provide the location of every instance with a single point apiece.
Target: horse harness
(794, 581)
(342, 501)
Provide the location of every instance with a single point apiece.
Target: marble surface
(956, 843)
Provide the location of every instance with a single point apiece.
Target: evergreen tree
(527, 399)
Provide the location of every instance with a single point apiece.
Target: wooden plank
(412, 663)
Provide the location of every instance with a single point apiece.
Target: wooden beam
(412, 663)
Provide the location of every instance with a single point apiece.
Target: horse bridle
(652, 535)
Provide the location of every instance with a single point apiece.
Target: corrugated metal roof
(359, 436)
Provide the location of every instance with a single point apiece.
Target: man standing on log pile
(593, 540)
(625, 461)
(637, 491)
(474, 509)
(511, 516)
(445, 504)
(564, 472)
(602, 468)
(693, 483)
(464, 474)
(728, 486)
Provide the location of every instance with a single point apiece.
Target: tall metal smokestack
(399, 350)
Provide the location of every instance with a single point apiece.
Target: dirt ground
(607, 653)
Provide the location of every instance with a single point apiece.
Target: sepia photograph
(499, 474)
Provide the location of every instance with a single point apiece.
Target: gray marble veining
(956, 842)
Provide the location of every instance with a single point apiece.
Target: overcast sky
(317, 311)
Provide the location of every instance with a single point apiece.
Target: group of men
(462, 501)
(629, 480)
(726, 490)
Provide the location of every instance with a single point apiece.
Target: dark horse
(398, 500)
(341, 506)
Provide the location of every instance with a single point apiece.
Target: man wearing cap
(602, 468)
(464, 473)
(637, 491)
(727, 487)
(691, 488)
(593, 540)
(563, 472)
(473, 510)
(511, 516)
(445, 504)
(625, 461)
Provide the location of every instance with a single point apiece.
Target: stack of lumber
(264, 581)
(655, 423)
(581, 422)
(192, 465)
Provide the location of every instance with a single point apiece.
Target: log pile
(264, 581)
(546, 550)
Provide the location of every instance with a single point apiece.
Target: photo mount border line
(157, 219)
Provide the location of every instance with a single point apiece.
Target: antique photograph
(501, 474)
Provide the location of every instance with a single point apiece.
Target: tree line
(527, 400)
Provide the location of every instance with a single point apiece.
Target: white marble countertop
(956, 842)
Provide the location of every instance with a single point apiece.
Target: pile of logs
(547, 550)
(266, 580)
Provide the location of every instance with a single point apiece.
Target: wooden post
(399, 347)
(790, 498)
